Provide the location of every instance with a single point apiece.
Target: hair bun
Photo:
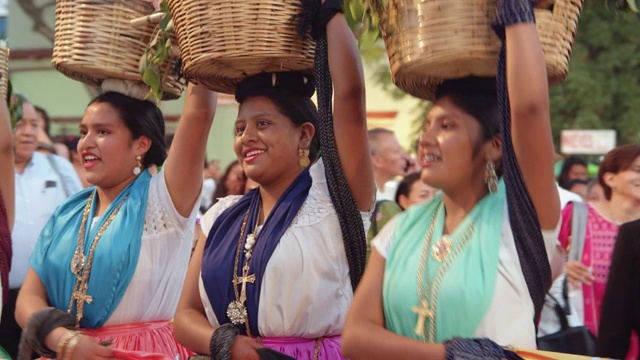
(295, 82)
(474, 84)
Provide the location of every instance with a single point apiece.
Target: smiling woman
(127, 239)
(273, 267)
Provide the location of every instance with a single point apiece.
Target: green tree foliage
(602, 90)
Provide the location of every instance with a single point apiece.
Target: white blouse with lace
(155, 288)
(306, 290)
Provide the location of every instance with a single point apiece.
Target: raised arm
(349, 114)
(530, 126)
(6, 163)
(183, 168)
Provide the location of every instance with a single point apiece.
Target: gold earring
(138, 169)
(490, 177)
(304, 160)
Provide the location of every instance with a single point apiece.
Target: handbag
(576, 340)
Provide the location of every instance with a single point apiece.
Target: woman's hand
(577, 274)
(88, 348)
(244, 348)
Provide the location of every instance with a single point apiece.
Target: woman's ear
(609, 178)
(142, 145)
(307, 131)
(493, 149)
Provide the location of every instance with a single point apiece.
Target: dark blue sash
(220, 248)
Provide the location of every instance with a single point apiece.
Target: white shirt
(566, 196)
(155, 287)
(389, 193)
(39, 191)
(306, 290)
(509, 319)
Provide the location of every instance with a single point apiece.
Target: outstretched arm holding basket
(367, 333)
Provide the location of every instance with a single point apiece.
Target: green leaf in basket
(165, 21)
(357, 10)
(152, 79)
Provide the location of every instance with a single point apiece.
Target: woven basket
(94, 40)
(4, 70)
(224, 41)
(431, 40)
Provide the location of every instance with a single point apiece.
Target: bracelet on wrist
(67, 344)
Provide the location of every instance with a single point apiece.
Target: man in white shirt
(389, 161)
(42, 183)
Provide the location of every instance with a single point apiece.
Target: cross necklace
(81, 266)
(237, 310)
(427, 292)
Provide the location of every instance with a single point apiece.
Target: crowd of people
(112, 246)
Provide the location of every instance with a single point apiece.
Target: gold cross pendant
(423, 314)
(244, 279)
(81, 299)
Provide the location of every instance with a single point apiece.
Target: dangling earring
(304, 160)
(490, 177)
(138, 169)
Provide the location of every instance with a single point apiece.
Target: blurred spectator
(573, 167)
(578, 186)
(595, 193)
(411, 191)
(232, 183)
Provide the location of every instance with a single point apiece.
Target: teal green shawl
(467, 288)
(115, 257)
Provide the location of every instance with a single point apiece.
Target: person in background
(42, 182)
(620, 316)
(595, 192)
(233, 182)
(573, 167)
(72, 144)
(389, 161)
(412, 190)
(618, 175)
(578, 186)
(45, 143)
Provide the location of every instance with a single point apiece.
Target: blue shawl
(115, 257)
(220, 248)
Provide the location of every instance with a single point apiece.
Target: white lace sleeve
(382, 242)
(207, 220)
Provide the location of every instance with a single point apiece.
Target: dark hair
(404, 187)
(291, 94)
(617, 160)
(47, 119)
(142, 118)
(568, 163)
(221, 186)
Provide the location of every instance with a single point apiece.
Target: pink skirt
(151, 340)
(328, 348)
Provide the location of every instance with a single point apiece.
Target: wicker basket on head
(94, 40)
(4, 70)
(224, 41)
(431, 40)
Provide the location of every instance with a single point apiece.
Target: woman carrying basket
(115, 255)
(449, 271)
(273, 270)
